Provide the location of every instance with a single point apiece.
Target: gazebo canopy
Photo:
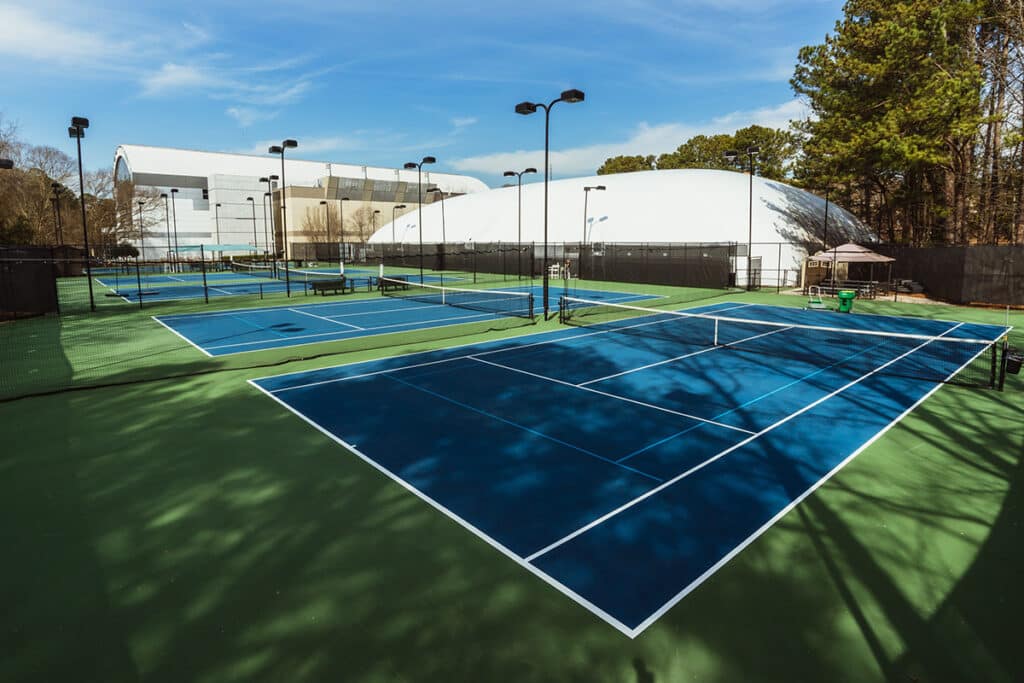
(851, 253)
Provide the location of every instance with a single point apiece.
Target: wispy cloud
(461, 122)
(646, 139)
(246, 116)
(32, 36)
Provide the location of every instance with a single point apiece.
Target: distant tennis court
(421, 307)
(625, 460)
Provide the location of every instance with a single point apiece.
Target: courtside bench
(395, 283)
(342, 284)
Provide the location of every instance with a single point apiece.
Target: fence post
(202, 260)
(138, 281)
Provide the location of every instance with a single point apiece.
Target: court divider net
(499, 302)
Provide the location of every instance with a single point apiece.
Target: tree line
(39, 202)
(916, 125)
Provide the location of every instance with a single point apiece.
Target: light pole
(279, 149)
(142, 231)
(216, 219)
(167, 217)
(59, 228)
(270, 193)
(393, 209)
(327, 215)
(77, 131)
(526, 108)
(373, 217)
(440, 192)
(255, 239)
(174, 217)
(519, 233)
(266, 233)
(341, 231)
(731, 155)
(586, 194)
(419, 192)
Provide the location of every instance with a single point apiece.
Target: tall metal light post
(59, 227)
(341, 230)
(419, 192)
(255, 239)
(525, 108)
(373, 217)
(167, 217)
(270, 193)
(327, 216)
(519, 233)
(279, 149)
(393, 210)
(751, 153)
(174, 217)
(440, 192)
(142, 231)
(266, 233)
(586, 194)
(216, 220)
(77, 131)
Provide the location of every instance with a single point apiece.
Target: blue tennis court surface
(620, 463)
(256, 329)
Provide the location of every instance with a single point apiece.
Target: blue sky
(382, 82)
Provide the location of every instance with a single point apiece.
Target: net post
(1002, 365)
(138, 280)
(994, 365)
(202, 261)
(530, 304)
(716, 332)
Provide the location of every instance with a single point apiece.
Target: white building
(689, 205)
(204, 180)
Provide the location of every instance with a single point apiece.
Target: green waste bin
(846, 297)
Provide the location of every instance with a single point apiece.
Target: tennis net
(517, 304)
(949, 357)
(253, 270)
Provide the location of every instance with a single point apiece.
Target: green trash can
(846, 297)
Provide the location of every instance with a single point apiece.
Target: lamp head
(274, 177)
(600, 187)
(428, 160)
(163, 195)
(290, 143)
(275, 149)
(509, 174)
(74, 132)
(217, 205)
(266, 194)
(6, 163)
(526, 108)
(572, 96)
(249, 199)
(323, 202)
(140, 202)
(55, 186)
(263, 180)
(410, 165)
(731, 155)
(79, 122)
(530, 170)
(344, 199)
(174, 190)
(753, 149)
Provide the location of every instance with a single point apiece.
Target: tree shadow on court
(193, 530)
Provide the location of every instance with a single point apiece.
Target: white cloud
(310, 145)
(646, 139)
(175, 78)
(31, 36)
(246, 116)
(461, 122)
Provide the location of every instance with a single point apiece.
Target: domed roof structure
(688, 205)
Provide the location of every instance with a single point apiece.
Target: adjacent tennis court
(418, 307)
(625, 460)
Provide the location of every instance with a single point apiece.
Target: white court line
(320, 317)
(494, 543)
(615, 396)
(687, 355)
(557, 339)
(181, 336)
(480, 316)
(622, 508)
(270, 309)
(386, 311)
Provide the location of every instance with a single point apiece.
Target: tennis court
(420, 307)
(624, 461)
